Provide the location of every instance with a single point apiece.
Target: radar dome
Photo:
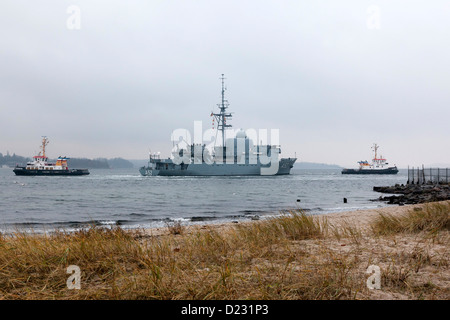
(241, 134)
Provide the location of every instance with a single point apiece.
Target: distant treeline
(12, 160)
(120, 163)
(100, 163)
(81, 163)
(313, 165)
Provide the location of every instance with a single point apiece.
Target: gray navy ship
(237, 156)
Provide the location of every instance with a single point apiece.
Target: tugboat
(236, 156)
(378, 166)
(41, 167)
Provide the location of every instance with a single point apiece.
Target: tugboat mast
(375, 148)
(44, 143)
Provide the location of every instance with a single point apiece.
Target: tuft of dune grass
(34, 266)
(175, 227)
(297, 225)
(290, 224)
(432, 218)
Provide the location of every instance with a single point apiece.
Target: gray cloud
(137, 70)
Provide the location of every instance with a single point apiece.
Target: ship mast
(222, 116)
(44, 143)
(375, 148)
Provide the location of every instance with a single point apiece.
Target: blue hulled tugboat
(41, 167)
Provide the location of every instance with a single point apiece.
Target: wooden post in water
(417, 182)
(418, 175)
(423, 173)
(408, 176)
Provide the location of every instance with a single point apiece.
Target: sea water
(124, 197)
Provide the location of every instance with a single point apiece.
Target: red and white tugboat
(378, 166)
(41, 167)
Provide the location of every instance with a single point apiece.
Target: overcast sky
(333, 76)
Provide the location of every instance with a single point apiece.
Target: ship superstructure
(236, 156)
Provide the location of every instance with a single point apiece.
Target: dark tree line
(12, 160)
(100, 163)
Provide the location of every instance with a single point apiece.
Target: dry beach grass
(293, 256)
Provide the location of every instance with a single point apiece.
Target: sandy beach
(421, 258)
(291, 257)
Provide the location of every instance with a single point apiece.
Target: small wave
(250, 212)
(63, 224)
(197, 219)
(314, 209)
(135, 214)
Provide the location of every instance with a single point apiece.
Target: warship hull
(204, 169)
